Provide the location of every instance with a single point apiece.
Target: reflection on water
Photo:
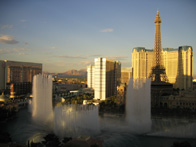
(164, 132)
(175, 127)
(113, 130)
(23, 128)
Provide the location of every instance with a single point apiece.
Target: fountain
(42, 98)
(70, 120)
(138, 105)
(76, 120)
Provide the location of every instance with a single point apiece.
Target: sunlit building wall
(178, 65)
(117, 73)
(90, 76)
(17, 72)
(126, 74)
(106, 77)
(142, 62)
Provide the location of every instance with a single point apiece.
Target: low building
(75, 92)
(194, 83)
(19, 89)
(185, 100)
(126, 74)
(3, 99)
(121, 94)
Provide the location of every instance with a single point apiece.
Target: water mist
(64, 120)
(42, 98)
(138, 105)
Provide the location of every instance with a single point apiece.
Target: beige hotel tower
(178, 63)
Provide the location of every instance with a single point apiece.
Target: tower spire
(157, 18)
(157, 42)
(158, 70)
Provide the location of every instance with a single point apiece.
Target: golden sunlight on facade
(176, 65)
(104, 77)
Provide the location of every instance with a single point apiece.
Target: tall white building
(90, 76)
(105, 75)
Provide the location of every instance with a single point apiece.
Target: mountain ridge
(82, 73)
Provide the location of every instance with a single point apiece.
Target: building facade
(121, 93)
(105, 74)
(185, 100)
(178, 65)
(126, 74)
(19, 73)
(166, 65)
(90, 76)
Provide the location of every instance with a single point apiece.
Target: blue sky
(69, 34)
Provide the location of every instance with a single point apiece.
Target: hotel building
(90, 76)
(176, 65)
(126, 74)
(18, 75)
(105, 74)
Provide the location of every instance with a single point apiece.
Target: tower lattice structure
(158, 71)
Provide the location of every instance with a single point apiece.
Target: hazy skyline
(65, 35)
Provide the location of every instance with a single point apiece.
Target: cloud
(21, 49)
(8, 26)
(5, 51)
(80, 56)
(86, 63)
(45, 60)
(7, 39)
(107, 30)
(94, 55)
(117, 57)
(22, 20)
(18, 51)
(53, 47)
(46, 53)
(21, 54)
(26, 43)
(66, 56)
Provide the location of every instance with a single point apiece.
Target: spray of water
(138, 105)
(42, 98)
(67, 120)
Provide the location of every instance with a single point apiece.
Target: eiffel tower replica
(159, 85)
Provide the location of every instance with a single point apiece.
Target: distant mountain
(72, 74)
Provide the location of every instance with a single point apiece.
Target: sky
(69, 34)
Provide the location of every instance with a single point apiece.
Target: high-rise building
(117, 73)
(105, 74)
(126, 74)
(167, 64)
(90, 76)
(20, 74)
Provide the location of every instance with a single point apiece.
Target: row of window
(185, 104)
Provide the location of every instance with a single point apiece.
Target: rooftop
(185, 48)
